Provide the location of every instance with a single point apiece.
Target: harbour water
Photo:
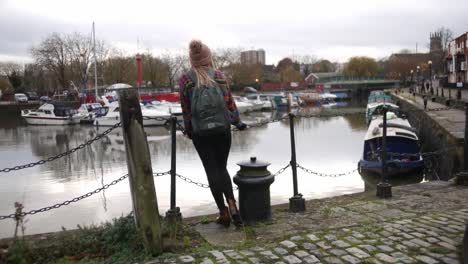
(329, 145)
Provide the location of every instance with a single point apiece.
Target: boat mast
(95, 63)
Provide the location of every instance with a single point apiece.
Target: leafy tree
(323, 66)
(361, 66)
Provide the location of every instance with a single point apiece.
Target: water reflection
(330, 145)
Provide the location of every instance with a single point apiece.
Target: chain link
(156, 118)
(61, 155)
(67, 202)
(326, 174)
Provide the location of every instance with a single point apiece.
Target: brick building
(457, 60)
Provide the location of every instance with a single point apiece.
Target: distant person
(209, 110)
(425, 102)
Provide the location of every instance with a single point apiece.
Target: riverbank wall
(435, 136)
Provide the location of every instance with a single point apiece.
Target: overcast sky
(330, 29)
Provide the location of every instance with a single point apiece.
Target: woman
(209, 110)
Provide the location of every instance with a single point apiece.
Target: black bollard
(384, 188)
(462, 177)
(296, 203)
(173, 214)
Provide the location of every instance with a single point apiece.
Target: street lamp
(417, 78)
(430, 77)
(411, 80)
(256, 84)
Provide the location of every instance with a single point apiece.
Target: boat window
(40, 111)
(48, 112)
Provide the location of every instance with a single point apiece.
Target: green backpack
(209, 112)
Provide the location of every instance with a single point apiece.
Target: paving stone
(447, 245)
(241, 262)
(353, 240)
(280, 262)
(186, 259)
(340, 244)
(358, 235)
(296, 238)
(291, 259)
(395, 238)
(338, 252)
(301, 254)
(370, 241)
(309, 246)
(426, 259)
(255, 260)
(332, 260)
(448, 229)
(420, 242)
(448, 240)
(351, 259)
(407, 236)
(206, 261)
(432, 239)
(258, 249)
(385, 248)
(288, 244)
(323, 245)
(281, 251)
(369, 248)
(385, 233)
(369, 234)
(401, 247)
(319, 253)
(269, 254)
(402, 257)
(330, 237)
(232, 254)
(358, 253)
(246, 253)
(217, 254)
(434, 255)
(416, 234)
(313, 237)
(448, 260)
(386, 258)
(311, 259)
(170, 260)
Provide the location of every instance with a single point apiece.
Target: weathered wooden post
(145, 204)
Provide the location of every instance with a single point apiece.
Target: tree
(446, 36)
(175, 64)
(361, 67)
(154, 70)
(52, 54)
(290, 74)
(80, 54)
(13, 71)
(120, 68)
(226, 56)
(323, 66)
(36, 78)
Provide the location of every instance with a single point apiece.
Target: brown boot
(223, 218)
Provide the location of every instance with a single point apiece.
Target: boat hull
(109, 122)
(395, 168)
(52, 121)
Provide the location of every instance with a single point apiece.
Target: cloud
(333, 29)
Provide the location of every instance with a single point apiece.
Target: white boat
(90, 111)
(52, 114)
(260, 99)
(152, 116)
(174, 109)
(242, 104)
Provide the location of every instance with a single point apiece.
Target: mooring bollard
(296, 203)
(254, 180)
(173, 214)
(462, 177)
(384, 188)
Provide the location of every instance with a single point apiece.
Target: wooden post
(145, 204)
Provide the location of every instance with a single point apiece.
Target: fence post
(145, 205)
(173, 214)
(462, 177)
(384, 188)
(296, 203)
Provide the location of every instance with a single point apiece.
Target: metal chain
(67, 202)
(74, 200)
(156, 118)
(416, 155)
(325, 174)
(61, 155)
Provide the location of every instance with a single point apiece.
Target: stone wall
(434, 137)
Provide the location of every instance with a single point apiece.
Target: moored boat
(53, 113)
(403, 154)
(152, 116)
(90, 111)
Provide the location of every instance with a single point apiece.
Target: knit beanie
(200, 54)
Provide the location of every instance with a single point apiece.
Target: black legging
(214, 151)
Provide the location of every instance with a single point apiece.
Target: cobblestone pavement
(422, 223)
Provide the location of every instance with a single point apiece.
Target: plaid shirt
(186, 86)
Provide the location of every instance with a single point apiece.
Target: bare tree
(80, 55)
(175, 65)
(14, 72)
(154, 70)
(52, 54)
(446, 35)
(226, 56)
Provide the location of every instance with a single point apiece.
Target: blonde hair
(203, 75)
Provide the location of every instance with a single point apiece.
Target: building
(457, 60)
(400, 64)
(253, 57)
